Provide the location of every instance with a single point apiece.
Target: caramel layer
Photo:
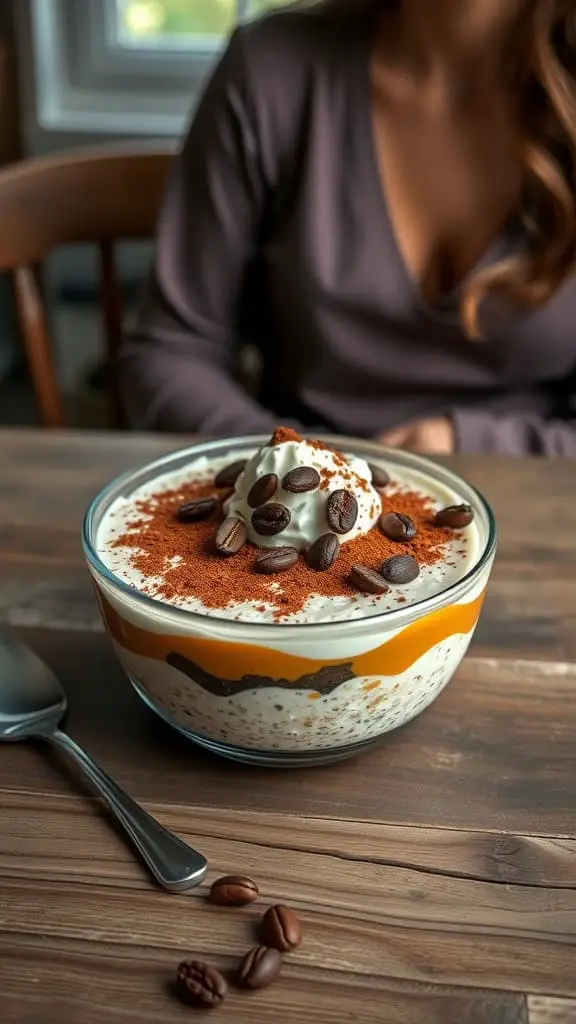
(231, 661)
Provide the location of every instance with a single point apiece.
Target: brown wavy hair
(541, 69)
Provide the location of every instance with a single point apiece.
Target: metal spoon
(32, 703)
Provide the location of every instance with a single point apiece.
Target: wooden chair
(96, 196)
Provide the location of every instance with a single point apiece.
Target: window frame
(84, 81)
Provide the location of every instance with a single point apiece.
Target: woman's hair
(541, 65)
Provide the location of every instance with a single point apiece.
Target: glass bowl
(289, 694)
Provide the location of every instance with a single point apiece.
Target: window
(173, 23)
(127, 67)
(165, 23)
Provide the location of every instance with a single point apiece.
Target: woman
(380, 196)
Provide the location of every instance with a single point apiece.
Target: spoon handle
(175, 865)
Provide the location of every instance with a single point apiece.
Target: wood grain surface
(435, 876)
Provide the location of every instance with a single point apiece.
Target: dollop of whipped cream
(287, 451)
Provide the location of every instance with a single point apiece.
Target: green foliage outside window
(147, 20)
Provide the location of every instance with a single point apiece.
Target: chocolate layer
(324, 681)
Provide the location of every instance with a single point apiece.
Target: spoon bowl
(31, 698)
(32, 704)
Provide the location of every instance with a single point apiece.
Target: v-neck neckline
(447, 306)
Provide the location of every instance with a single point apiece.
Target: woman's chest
(449, 184)
(339, 267)
(340, 302)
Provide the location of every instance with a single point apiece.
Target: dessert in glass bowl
(288, 600)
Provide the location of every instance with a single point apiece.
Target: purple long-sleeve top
(275, 231)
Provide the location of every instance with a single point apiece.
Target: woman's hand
(433, 436)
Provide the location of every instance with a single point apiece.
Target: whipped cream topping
(308, 509)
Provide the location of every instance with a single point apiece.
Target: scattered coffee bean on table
(274, 560)
(268, 520)
(368, 580)
(323, 552)
(380, 478)
(262, 490)
(400, 569)
(281, 929)
(397, 526)
(456, 517)
(233, 891)
(301, 479)
(230, 536)
(228, 476)
(200, 985)
(195, 511)
(341, 511)
(260, 967)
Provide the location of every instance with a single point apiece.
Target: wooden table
(436, 876)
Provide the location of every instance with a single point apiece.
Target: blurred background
(80, 73)
(141, 19)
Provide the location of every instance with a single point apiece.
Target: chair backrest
(96, 196)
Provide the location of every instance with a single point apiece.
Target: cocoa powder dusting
(282, 435)
(180, 561)
(337, 456)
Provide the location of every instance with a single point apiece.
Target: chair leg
(34, 335)
(112, 313)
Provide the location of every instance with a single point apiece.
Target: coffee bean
(400, 569)
(228, 476)
(397, 526)
(324, 552)
(454, 516)
(230, 536)
(262, 490)
(233, 891)
(281, 928)
(341, 511)
(260, 967)
(303, 478)
(200, 985)
(368, 580)
(194, 511)
(274, 560)
(380, 478)
(268, 520)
